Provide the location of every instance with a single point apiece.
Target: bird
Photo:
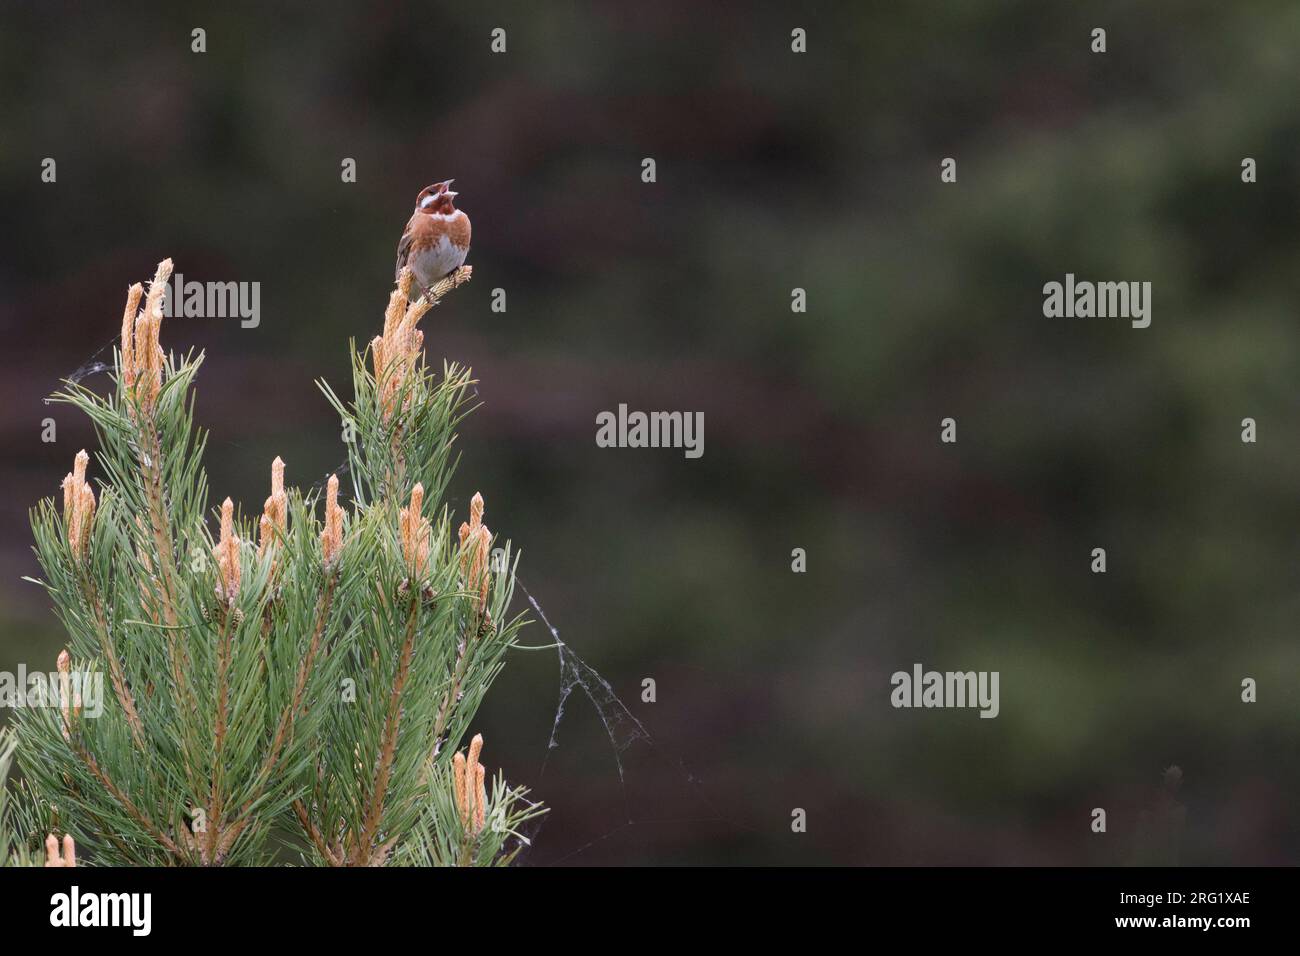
(436, 240)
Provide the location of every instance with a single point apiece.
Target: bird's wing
(403, 251)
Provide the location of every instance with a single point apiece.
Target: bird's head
(437, 198)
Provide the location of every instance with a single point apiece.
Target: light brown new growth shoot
(476, 549)
(52, 857)
(274, 523)
(227, 554)
(415, 535)
(331, 539)
(68, 706)
(78, 506)
(470, 788)
(395, 352)
(142, 356)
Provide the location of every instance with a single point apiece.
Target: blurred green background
(775, 171)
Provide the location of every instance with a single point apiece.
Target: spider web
(622, 728)
(92, 366)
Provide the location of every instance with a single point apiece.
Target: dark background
(775, 170)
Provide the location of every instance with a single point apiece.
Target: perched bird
(436, 239)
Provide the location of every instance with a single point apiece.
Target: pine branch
(118, 678)
(304, 684)
(219, 736)
(125, 802)
(379, 789)
(284, 728)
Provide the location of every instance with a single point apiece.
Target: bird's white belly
(430, 265)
